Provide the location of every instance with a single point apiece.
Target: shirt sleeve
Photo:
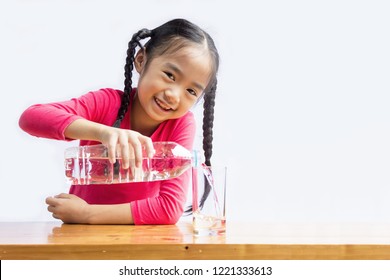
(167, 207)
(51, 119)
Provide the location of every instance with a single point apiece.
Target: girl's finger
(62, 195)
(137, 151)
(131, 156)
(111, 147)
(50, 208)
(148, 144)
(124, 152)
(55, 216)
(50, 200)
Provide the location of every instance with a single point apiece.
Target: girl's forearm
(110, 214)
(84, 130)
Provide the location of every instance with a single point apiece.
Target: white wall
(302, 116)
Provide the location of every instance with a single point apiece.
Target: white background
(302, 113)
(281, 269)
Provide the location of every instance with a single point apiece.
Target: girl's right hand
(127, 144)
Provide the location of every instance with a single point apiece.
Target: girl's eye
(170, 76)
(192, 92)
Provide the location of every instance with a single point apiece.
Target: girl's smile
(162, 105)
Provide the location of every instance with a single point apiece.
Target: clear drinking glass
(209, 200)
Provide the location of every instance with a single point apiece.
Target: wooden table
(53, 240)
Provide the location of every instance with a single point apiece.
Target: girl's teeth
(162, 105)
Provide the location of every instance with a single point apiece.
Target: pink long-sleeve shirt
(160, 202)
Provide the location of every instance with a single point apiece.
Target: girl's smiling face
(171, 84)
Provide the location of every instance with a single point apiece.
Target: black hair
(168, 38)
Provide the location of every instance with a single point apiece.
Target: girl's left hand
(68, 208)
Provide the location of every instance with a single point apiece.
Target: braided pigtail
(208, 123)
(133, 44)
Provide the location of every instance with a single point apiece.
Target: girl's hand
(69, 208)
(125, 143)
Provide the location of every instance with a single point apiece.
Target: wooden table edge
(195, 252)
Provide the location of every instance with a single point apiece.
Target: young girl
(177, 67)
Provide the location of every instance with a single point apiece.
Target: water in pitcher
(90, 165)
(98, 170)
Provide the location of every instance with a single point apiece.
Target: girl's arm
(50, 120)
(74, 210)
(165, 208)
(88, 117)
